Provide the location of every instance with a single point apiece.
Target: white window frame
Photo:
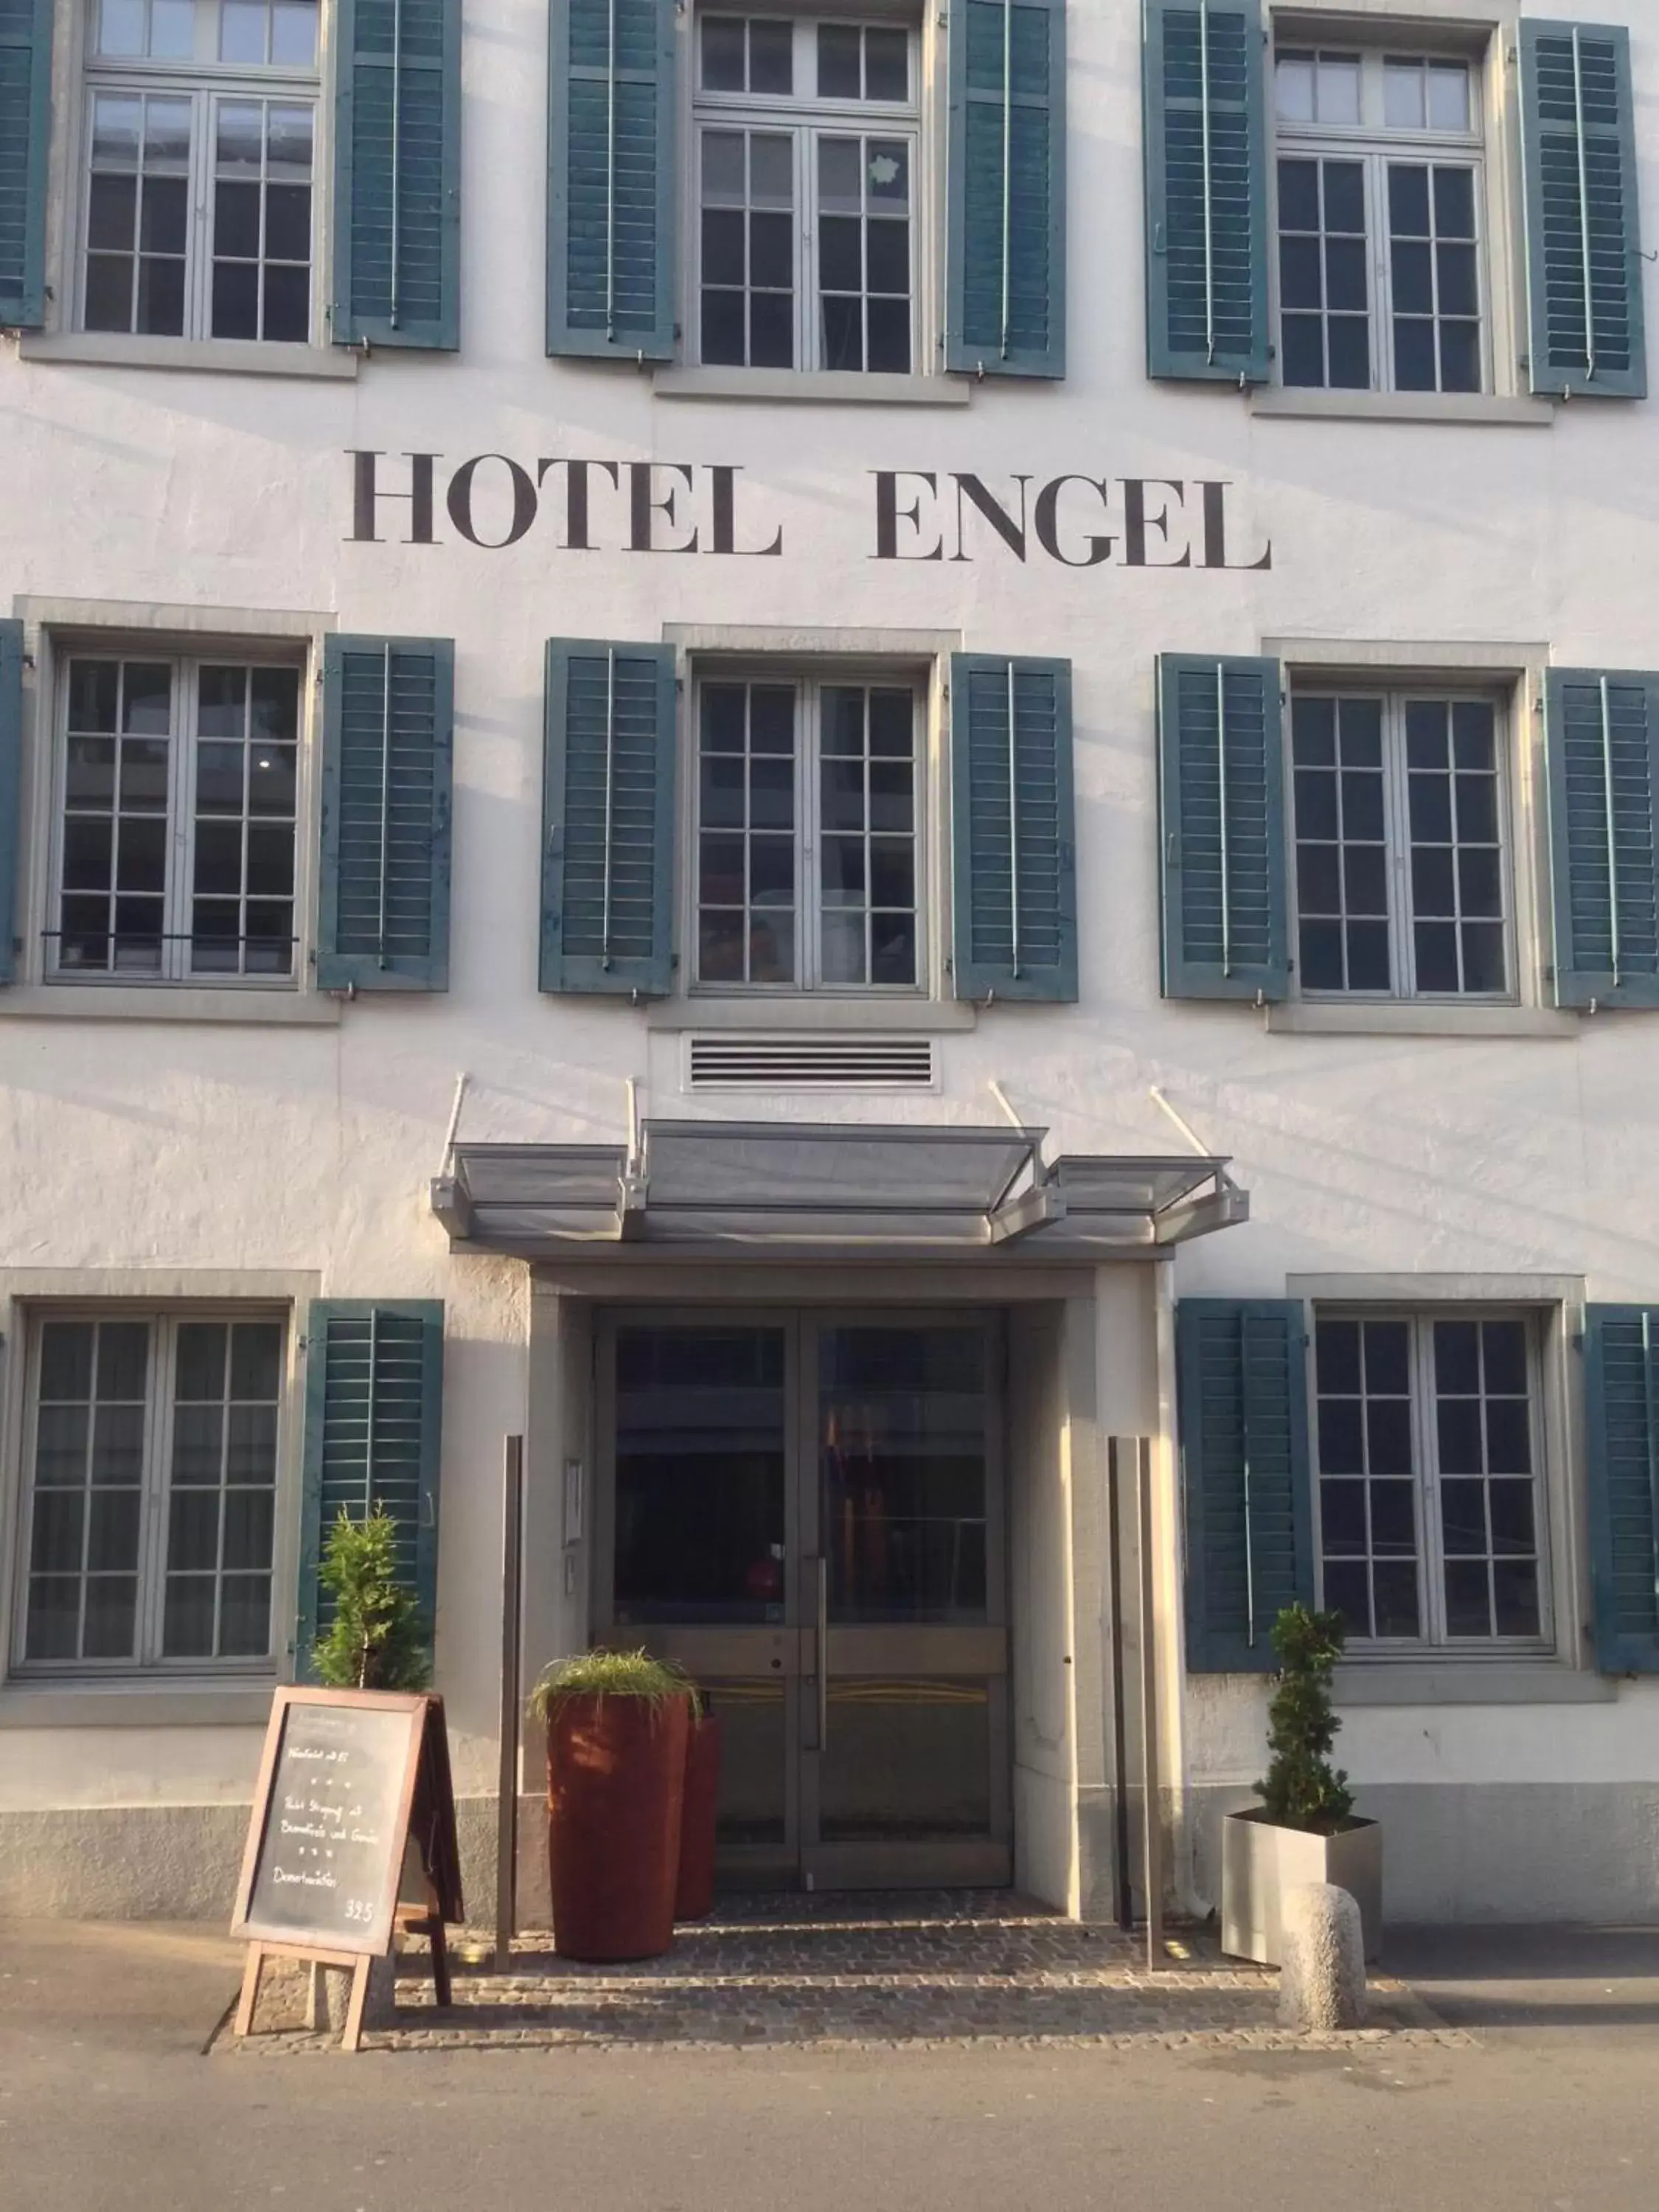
(1431, 1552)
(809, 681)
(1374, 144)
(164, 1321)
(176, 971)
(1393, 693)
(804, 119)
(200, 79)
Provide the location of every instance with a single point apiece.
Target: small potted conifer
(376, 1638)
(616, 1725)
(1306, 1829)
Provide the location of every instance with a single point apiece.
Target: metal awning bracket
(1033, 1209)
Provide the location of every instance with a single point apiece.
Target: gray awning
(831, 1189)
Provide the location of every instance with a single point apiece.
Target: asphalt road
(105, 2102)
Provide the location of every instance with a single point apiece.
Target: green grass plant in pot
(617, 1724)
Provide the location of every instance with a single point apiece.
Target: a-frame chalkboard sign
(349, 1779)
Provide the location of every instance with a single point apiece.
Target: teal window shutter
(397, 174)
(1246, 1484)
(11, 787)
(1582, 211)
(1621, 1404)
(1005, 310)
(1205, 139)
(374, 1378)
(1602, 745)
(612, 178)
(388, 733)
(1013, 825)
(25, 131)
(1221, 827)
(608, 781)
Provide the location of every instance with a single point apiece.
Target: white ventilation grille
(810, 1063)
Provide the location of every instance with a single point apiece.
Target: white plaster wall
(153, 1144)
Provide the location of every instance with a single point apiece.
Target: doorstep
(932, 1970)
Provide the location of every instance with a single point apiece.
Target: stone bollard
(330, 1996)
(1321, 1981)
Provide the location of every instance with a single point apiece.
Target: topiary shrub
(377, 1639)
(1303, 1789)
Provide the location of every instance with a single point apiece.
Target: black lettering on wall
(1045, 520)
(459, 501)
(367, 493)
(890, 514)
(722, 479)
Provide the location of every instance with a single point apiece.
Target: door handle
(821, 1650)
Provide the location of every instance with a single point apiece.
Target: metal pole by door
(1126, 1918)
(1152, 1812)
(507, 1800)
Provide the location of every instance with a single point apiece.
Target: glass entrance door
(807, 1510)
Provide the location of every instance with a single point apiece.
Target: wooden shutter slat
(1221, 799)
(1601, 744)
(1246, 1480)
(613, 180)
(1014, 852)
(1582, 211)
(608, 786)
(1207, 237)
(1621, 1377)
(11, 787)
(373, 1423)
(397, 239)
(26, 27)
(388, 722)
(1006, 174)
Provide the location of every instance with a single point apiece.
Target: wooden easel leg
(439, 1958)
(256, 1958)
(352, 2039)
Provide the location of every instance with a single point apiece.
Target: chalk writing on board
(325, 1865)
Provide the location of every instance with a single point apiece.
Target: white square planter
(1260, 1863)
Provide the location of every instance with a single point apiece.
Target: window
(1380, 183)
(176, 812)
(1430, 1509)
(808, 861)
(149, 1498)
(1401, 878)
(805, 137)
(199, 216)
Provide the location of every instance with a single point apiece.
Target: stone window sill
(245, 1703)
(237, 356)
(818, 387)
(1469, 1682)
(1308, 1017)
(114, 1002)
(913, 1016)
(1464, 407)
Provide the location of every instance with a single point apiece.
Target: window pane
(121, 27)
(723, 49)
(886, 64)
(242, 30)
(1449, 95)
(1404, 102)
(771, 50)
(1293, 88)
(293, 34)
(839, 54)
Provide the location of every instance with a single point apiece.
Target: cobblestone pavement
(917, 1968)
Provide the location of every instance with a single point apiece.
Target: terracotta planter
(694, 1898)
(616, 1780)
